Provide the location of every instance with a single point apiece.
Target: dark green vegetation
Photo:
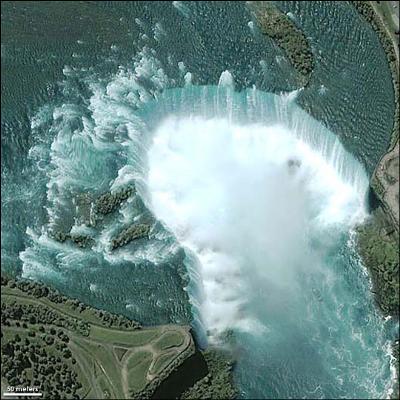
(396, 349)
(80, 240)
(217, 384)
(70, 350)
(127, 235)
(378, 244)
(91, 211)
(378, 239)
(279, 27)
(109, 202)
(205, 375)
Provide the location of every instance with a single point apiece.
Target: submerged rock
(293, 165)
(60, 236)
(81, 240)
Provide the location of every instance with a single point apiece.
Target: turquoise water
(269, 247)
(253, 200)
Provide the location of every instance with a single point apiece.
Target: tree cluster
(109, 202)
(41, 363)
(39, 290)
(81, 241)
(279, 27)
(380, 255)
(218, 382)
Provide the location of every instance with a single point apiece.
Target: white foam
(139, 22)
(188, 78)
(226, 79)
(393, 371)
(182, 8)
(81, 230)
(290, 15)
(93, 287)
(250, 24)
(159, 31)
(181, 66)
(77, 160)
(237, 197)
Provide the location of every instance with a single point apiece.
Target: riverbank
(385, 179)
(67, 349)
(378, 239)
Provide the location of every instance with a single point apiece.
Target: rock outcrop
(280, 28)
(134, 232)
(109, 202)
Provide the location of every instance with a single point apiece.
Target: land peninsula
(67, 349)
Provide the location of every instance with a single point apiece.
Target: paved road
(387, 171)
(392, 8)
(394, 5)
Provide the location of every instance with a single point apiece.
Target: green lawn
(137, 338)
(170, 339)
(72, 352)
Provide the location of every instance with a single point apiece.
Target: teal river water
(253, 200)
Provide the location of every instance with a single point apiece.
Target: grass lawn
(70, 351)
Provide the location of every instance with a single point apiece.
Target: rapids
(252, 201)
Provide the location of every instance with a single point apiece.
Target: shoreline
(100, 354)
(378, 238)
(384, 182)
(385, 179)
(377, 186)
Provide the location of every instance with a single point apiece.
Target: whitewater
(252, 204)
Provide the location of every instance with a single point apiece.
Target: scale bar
(13, 394)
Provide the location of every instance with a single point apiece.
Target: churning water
(255, 200)
(263, 199)
(252, 200)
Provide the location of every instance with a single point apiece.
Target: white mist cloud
(246, 200)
